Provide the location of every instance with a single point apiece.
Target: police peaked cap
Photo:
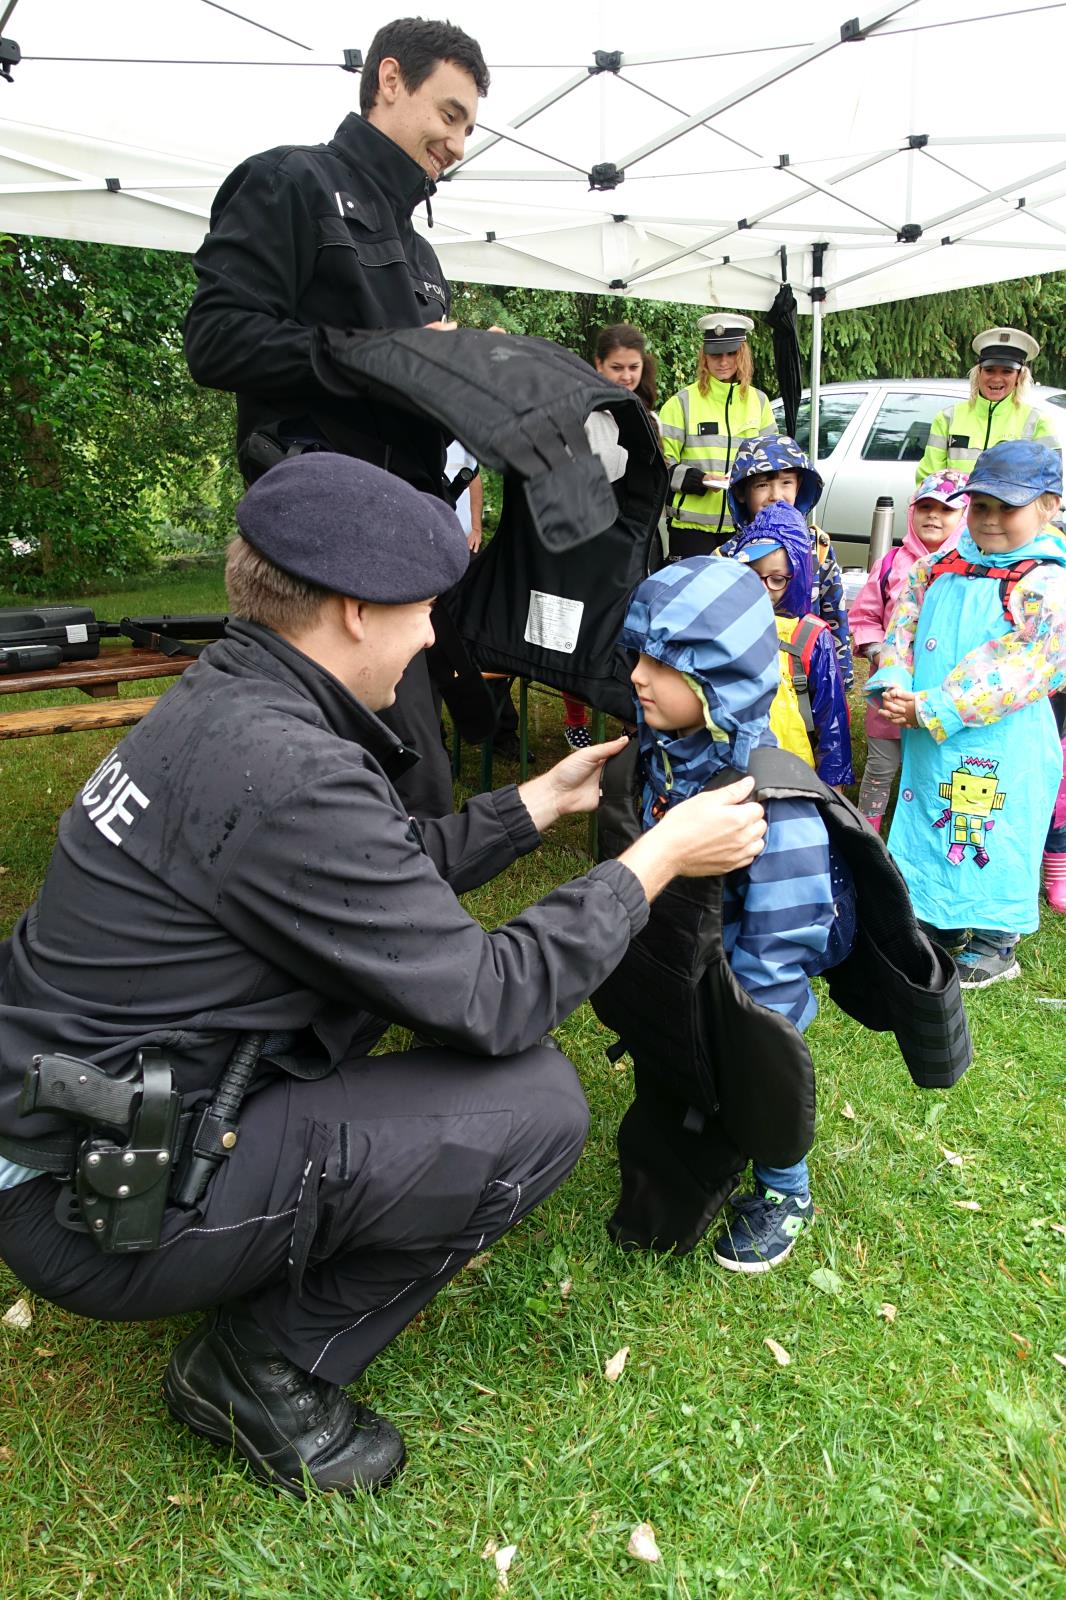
(1005, 347)
(354, 529)
(724, 331)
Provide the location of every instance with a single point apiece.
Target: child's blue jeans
(786, 1180)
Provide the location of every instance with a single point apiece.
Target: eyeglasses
(776, 582)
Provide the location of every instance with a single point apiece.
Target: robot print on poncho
(973, 793)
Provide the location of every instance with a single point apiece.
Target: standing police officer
(701, 428)
(998, 407)
(241, 867)
(320, 236)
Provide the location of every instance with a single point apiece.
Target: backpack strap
(884, 577)
(801, 648)
(1008, 575)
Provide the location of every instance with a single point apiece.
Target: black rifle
(170, 634)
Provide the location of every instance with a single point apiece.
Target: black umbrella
(782, 319)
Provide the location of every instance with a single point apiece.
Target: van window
(835, 411)
(902, 425)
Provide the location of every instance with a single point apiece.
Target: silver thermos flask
(880, 530)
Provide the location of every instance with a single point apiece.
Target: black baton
(217, 1130)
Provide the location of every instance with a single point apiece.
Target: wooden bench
(99, 680)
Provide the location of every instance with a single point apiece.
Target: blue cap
(1017, 471)
(354, 529)
(759, 548)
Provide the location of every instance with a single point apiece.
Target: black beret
(352, 528)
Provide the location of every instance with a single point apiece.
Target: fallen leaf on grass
(967, 1205)
(642, 1546)
(615, 1365)
(827, 1280)
(490, 1549)
(181, 1499)
(565, 1288)
(479, 1261)
(1060, 1359)
(952, 1157)
(1057, 1227)
(779, 1353)
(887, 1310)
(503, 1559)
(18, 1316)
(1024, 1346)
(7, 1454)
(847, 1111)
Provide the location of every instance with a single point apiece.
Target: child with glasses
(809, 715)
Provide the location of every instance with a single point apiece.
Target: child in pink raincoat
(934, 523)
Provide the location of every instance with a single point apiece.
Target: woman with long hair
(701, 427)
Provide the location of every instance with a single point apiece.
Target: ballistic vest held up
(710, 1062)
(545, 598)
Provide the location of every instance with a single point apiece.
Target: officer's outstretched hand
(572, 785)
(702, 837)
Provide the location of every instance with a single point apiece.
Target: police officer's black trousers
(347, 1204)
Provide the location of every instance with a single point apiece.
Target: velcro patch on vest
(959, 441)
(706, 429)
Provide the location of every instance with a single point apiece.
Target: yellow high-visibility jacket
(703, 431)
(962, 431)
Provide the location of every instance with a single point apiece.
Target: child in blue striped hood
(706, 674)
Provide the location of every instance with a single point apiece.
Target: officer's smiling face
(431, 123)
(391, 638)
(995, 383)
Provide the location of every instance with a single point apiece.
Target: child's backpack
(791, 716)
(720, 1079)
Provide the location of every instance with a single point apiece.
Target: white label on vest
(553, 621)
(77, 633)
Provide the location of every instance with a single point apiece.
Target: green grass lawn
(913, 1449)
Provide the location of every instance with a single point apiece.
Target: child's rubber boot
(1055, 879)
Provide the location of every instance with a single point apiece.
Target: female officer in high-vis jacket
(997, 409)
(701, 428)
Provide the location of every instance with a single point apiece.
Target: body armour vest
(712, 1059)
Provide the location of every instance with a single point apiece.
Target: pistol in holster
(122, 1167)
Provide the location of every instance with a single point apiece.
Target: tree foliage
(111, 447)
(109, 441)
(927, 337)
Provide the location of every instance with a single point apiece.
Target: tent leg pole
(816, 377)
(817, 300)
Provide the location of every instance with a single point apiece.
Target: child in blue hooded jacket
(811, 703)
(705, 678)
(775, 467)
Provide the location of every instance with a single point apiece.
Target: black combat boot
(228, 1382)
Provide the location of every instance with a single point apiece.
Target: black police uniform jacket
(241, 861)
(316, 236)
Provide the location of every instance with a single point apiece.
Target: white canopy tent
(911, 149)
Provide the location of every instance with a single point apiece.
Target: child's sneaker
(978, 970)
(763, 1231)
(578, 736)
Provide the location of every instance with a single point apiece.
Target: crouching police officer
(238, 890)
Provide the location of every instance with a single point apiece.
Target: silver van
(871, 437)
